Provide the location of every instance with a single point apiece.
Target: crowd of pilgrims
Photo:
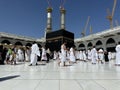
(66, 56)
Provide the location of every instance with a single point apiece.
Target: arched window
(29, 44)
(5, 41)
(19, 43)
(81, 45)
(110, 45)
(99, 43)
(110, 41)
(90, 44)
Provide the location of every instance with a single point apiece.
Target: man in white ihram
(63, 54)
(34, 53)
(117, 55)
(93, 55)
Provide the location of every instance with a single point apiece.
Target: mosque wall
(14, 41)
(106, 43)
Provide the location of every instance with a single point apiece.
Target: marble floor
(80, 76)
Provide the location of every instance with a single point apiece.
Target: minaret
(49, 20)
(62, 19)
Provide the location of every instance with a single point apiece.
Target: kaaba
(55, 39)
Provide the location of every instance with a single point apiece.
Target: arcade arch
(110, 45)
(19, 43)
(99, 44)
(28, 44)
(81, 46)
(5, 42)
(89, 46)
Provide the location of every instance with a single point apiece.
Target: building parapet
(101, 34)
(3, 34)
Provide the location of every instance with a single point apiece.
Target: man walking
(34, 53)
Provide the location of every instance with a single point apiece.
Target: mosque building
(106, 40)
(12, 39)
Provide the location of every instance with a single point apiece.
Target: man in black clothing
(106, 56)
(1, 55)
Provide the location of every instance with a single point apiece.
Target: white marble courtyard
(80, 76)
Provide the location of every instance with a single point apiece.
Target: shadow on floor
(8, 77)
(68, 65)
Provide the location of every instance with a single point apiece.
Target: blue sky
(28, 17)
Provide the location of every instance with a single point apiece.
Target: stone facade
(11, 39)
(106, 39)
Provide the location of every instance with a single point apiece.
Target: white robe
(44, 56)
(59, 55)
(84, 56)
(93, 55)
(34, 53)
(63, 53)
(101, 55)
(27, 55)
(55, 55)
(89, 55)
(68, 55)
(113, 55)
(20, 55)
(72, 55)
(117, 54)
(109, 55)
(81, 55)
